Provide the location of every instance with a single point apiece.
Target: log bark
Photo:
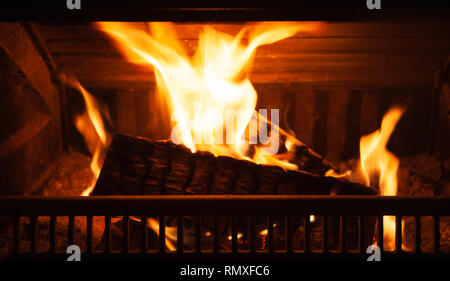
(138, 166)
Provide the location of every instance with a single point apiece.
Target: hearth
(97, 244)
(101, 145)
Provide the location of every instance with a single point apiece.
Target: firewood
(308, 160)
(202, 173)
(138, 166)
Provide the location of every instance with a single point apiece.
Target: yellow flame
(209, 92)
(171, 233)
(90, 125)
(377, 161)
(333, 173)
(265, 231)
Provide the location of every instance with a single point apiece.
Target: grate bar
(70, 230)
(288, 234)
(418, 234)
(34, 240)
(89, 220)
(180, 236)
(252, 235)
(126, 235)
(224, 205)
(234, 242)
(198, 234)
(162, 234)
(361, 234)
(343, 234)
(325, 234)
(16, 221)
(144, 244)
(52, 234)
(380, 233)
(270, 243)
(398, 234)
(437, 234)
(216, 234)
(107, 234)
(307, 234)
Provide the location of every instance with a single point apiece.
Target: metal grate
(235, 207)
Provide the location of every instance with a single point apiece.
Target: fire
(90, 124)
(211, 98)
(209, 93)
(377, 161)
(239, 236)
(171, 233)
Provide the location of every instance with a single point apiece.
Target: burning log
(138, 166)
(308, 160)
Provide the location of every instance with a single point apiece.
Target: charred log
(138, 166)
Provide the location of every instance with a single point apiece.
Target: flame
(90, 125)
(209, 92)
(377, 161)
(171, 233)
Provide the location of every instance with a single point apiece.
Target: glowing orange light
(209, 94)
(376, 160)
(90, 125)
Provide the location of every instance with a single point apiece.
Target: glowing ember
(377, 161)
(239, 236)
(210, 94)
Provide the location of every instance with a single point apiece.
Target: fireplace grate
(286, 207)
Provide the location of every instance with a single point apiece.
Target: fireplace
(86, 159)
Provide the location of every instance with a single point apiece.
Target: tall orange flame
(209, 94)
(90, 124)
(377, 161)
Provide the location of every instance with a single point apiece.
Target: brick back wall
(30, 135)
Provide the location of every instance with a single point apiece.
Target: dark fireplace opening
(86, 159)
